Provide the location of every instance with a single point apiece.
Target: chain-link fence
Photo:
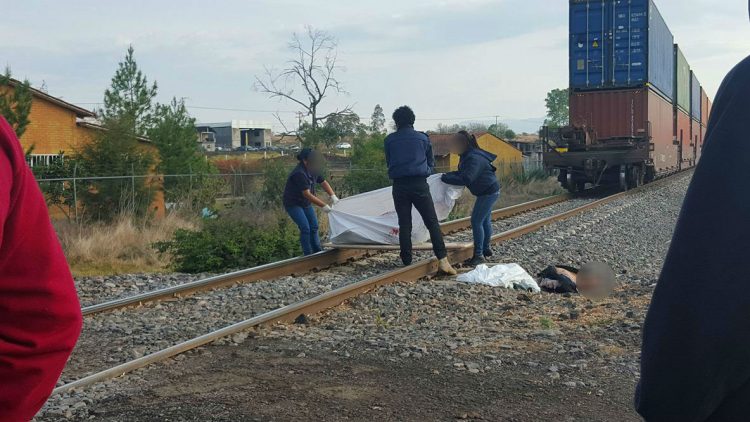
(94, 196)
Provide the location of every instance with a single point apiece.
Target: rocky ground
(432, 350)
(116, 337)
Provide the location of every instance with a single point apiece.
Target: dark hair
(470, 139)
(305, 154)
(403, 117)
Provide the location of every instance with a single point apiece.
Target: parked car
(344, 145)
(246, 148)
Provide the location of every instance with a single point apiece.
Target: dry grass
(123, 246)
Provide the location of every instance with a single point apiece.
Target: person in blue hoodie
(476, 172)
(408, 154)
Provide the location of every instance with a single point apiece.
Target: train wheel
(636, 176)
(624, 177)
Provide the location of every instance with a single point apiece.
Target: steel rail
(335, 297)
(294, 266)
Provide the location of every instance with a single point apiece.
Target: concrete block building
(235, 134)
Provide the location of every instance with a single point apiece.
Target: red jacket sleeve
(40, 317)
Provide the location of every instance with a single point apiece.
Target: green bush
(369, 171)
(225, 244)
(275, 173)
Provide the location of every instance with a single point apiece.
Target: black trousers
(414, 191)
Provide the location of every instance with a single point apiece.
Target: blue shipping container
(620, 44)
(695, 97)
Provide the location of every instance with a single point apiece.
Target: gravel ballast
(116, 337)
(461, 328)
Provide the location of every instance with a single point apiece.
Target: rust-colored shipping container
(632, 113)
(682, 131)
(705, 109)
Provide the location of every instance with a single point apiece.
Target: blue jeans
(481, 222)
(307, 222)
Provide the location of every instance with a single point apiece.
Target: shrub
(369, 171)
(229, 244)
(275, 173)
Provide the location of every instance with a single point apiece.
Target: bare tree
(313, 69)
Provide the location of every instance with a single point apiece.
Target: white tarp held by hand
(370, 218)
(510, 276)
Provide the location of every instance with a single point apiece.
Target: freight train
(637, 110)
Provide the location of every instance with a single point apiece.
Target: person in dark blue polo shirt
(299, 196)
(408, 154)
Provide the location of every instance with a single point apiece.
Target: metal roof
(79, 111)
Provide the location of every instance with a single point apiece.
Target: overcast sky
(452, 60)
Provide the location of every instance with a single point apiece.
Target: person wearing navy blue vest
(299, 196)
(477, 173)
(408, 154)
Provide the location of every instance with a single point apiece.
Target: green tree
(498, 129)
(115, 151)
(377, 122)
(174, 135)
(369, 171)
(557, 108)
(335, 129)
(58, 194)
(275, 173)
(130, 95)
(15, 102)
(510, 134)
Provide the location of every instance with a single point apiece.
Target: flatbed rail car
(581, 160)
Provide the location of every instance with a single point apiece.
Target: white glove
(327, 209)
(335, 199)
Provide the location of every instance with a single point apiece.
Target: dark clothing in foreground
(476, 172)
(408, 153)
(40, 317)
(415, 191)
(307, 222)
(300, 180)
(696, 338)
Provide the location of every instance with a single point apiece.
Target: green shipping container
(682, 80)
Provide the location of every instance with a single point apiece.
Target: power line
(425, 119)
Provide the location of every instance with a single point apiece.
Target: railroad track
(295, 266)
(335, 297)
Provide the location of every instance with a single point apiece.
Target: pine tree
(129, 98)
(174, 135)
(15, 102)
(378, 120)
(115, 152)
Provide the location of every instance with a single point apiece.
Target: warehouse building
(509, 158)
(235, 134)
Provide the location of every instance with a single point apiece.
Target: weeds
(121, 246)
(546, 323)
